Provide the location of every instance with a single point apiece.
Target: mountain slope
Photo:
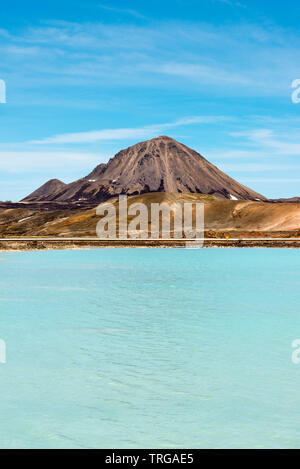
(158, 165)
(47, 191)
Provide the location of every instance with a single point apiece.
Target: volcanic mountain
(157, 165)
(51, 187)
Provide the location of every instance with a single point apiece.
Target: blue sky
(86, 78)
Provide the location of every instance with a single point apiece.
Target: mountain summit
(158, 165)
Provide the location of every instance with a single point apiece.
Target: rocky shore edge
(37, 245)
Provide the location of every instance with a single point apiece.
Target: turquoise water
(150, 348)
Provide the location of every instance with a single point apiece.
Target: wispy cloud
(213, 74)
(20, 162)
(267, 139)
(126, 133)
(232, 3)
(272, 181)
(259, 167)
(122, 11)
(82, 54)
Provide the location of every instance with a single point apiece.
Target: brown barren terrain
(243, 222)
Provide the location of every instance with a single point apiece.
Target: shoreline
(37, 245)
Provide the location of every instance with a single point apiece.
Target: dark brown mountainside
(158, 165)
(47, 190)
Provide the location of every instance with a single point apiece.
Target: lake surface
(150, 348)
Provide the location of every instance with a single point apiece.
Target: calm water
(150, 348)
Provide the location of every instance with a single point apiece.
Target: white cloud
(258, 167)
(256, 60)
(208, 74)
(233, 154)
(122, 11)
(266, 138)
(18, 162)
(272, 181)
(125, 133)
(232, 3)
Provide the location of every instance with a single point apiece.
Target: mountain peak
(164, 137)
(49, 189)
(158, 165)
